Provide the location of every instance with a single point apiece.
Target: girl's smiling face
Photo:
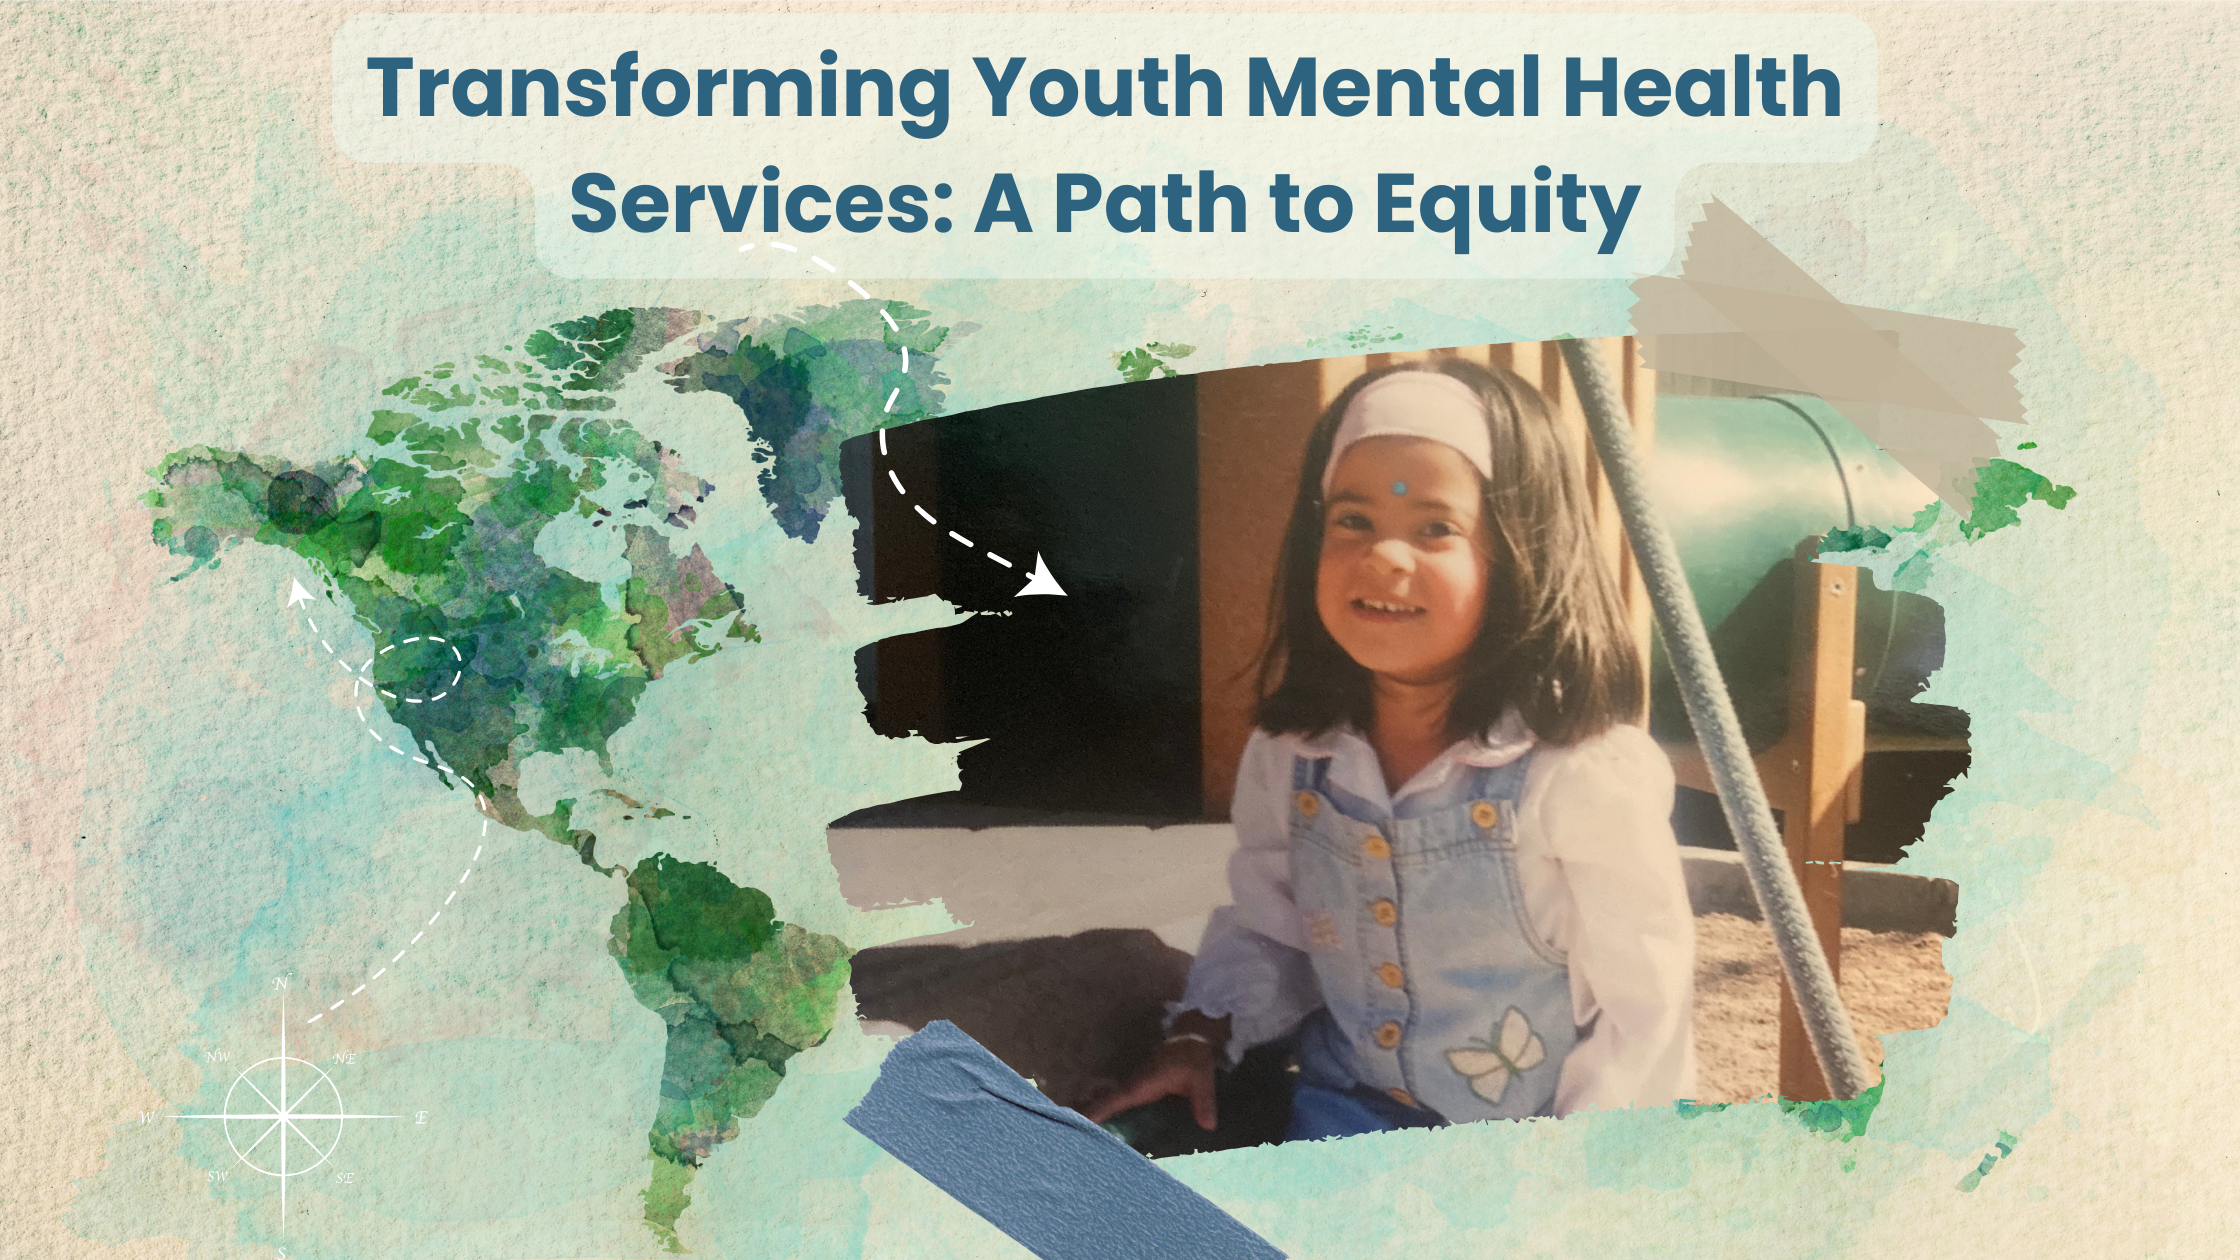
(1402, 582)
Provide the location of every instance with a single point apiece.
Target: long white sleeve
(1251, 964)
(1603, 812)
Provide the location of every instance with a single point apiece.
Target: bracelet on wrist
(1200, 1038)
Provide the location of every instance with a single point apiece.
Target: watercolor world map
(481, 782)
(433, 538)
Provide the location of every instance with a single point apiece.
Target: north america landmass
(427, 529)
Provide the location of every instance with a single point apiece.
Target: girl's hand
(1183, 1068)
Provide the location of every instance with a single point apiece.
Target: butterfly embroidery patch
(1322, 930)
(1514, 1050)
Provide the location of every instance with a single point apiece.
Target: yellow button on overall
(1376, 847)
(1391, 975)
(1484, 814)
(1384, 912)
(1308, 805)
(1388, 1035)
(1403, 1097)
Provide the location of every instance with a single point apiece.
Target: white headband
(1429, 405)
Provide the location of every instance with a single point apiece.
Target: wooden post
(1252, 429)
(1820, 755)
(1812, 776)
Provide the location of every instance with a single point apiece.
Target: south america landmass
(427, 530)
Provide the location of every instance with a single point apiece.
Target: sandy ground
(1076, 1013)
(1891, 981)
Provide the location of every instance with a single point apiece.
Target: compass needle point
(315, 1116)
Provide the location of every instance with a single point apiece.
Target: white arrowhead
(1041, 583)
(296, 593)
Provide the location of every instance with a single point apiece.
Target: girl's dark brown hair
(1554, 645)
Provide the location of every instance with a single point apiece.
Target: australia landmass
(427, 529)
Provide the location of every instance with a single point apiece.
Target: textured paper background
(189, 260)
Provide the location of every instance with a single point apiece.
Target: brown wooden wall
(1252, 430)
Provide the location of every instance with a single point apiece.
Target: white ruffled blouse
(1601, 878)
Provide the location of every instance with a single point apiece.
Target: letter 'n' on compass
(283, 1123)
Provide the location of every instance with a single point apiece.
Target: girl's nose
(1392, 555)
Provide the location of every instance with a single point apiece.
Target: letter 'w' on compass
(312, 1119)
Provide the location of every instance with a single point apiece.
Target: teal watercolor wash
(201, 876)
(2006, 1145)
(1846, 1118)
(1361, 337)
(505, 511)
(1846, 538)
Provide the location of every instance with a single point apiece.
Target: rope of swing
(1711, 712)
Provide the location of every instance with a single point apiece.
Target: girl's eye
(1352, 521)
(1439, 529)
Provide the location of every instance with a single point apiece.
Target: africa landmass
(426, 532)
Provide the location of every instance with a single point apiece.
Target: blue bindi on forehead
(1400, 487)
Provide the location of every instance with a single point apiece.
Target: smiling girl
(1456, 891)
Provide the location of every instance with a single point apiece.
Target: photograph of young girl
(1345, 789)
(1455, 894)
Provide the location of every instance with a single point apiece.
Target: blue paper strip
(1042, 1173)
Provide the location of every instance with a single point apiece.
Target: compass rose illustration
(300, 1125)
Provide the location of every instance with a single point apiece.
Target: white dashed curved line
(893, 394)
(360, 678)
(398, 957)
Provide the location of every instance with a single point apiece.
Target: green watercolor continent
(741, 994)
(811, 381)
(2002, 487)
(1138, 364)
(429, 527)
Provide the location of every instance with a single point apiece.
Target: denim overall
(1442, 1004)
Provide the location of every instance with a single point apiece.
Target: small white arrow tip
(1041, 583)
(296, 593)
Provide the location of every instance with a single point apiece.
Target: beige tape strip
(1918, 386)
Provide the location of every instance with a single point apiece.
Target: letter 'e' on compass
(283, 1116)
